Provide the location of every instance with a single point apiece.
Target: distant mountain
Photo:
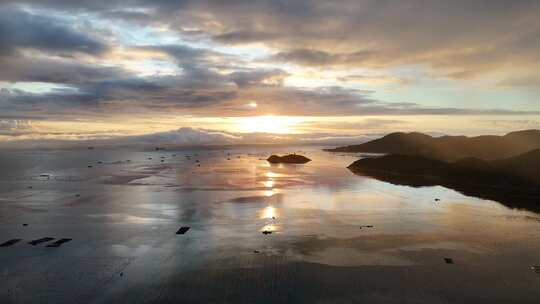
(515, 180)
(451, 148)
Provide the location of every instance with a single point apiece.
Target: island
(288, 159)
(513, 181)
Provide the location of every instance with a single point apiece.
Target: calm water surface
(336, 237)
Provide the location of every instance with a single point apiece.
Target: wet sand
(125, 249)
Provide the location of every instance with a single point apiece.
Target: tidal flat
(334, 237)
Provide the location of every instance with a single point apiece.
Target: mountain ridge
(450, 148)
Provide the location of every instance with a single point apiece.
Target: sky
(197, 72)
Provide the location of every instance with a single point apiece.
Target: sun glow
(271, 174)
(268, 124)
(269, 193)
(268, 183)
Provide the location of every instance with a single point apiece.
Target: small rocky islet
(288, 159)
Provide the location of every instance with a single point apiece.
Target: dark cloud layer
(458, 36)
(457, 39)
(67, 71)
(19, 29)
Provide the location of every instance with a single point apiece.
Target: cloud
(16, 104)
(375, 79)
(55, 70)
(476, 36)
(368, 125)
(512, 124)
(219, 95)
(319, 58)
(185, 137)
(21, 30)
(222, 55)
(527, 81)
(245, 37)
(15, 127)
(258, 77)
(473, 35)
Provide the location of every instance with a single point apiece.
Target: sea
(100, 226)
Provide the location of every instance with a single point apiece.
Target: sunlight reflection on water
(268, 213)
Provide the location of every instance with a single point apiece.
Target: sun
(268, 124)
